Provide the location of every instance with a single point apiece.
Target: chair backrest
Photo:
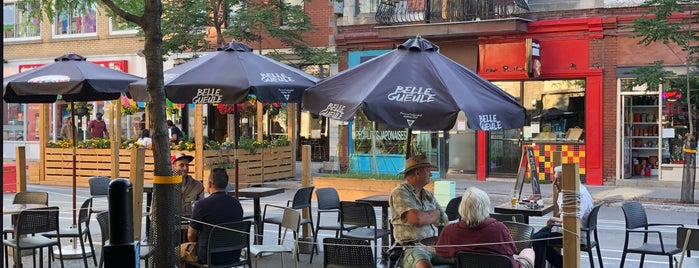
(103, 221)
(357, 213)
(635, 215)
(229, 237)
(302, 198)
(452, 209)
(99, 185)
(40, 220)
(41, 198)
(508, 217)
(591, 223)
(328, 199)
(520, 232)
(693, 243)
(291, 220)
(481, 260)
(85, 212)
(349, 253)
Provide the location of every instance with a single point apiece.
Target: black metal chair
(347, 253)
(33, 221)
(508, 217)
(452, 209)
(465, 259)
(302, 200)
(99, 188)
(637, 223)
(328, 202)
(228, 238)
(688, 239)
(103, 221)
(40, 198)
(586, 243)
(361, 215)
(81, 230)
(521, 233)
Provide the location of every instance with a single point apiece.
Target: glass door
(505, 146)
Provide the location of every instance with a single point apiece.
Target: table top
(257, 192)
(506, 208)
(379, 200)
(15, 209)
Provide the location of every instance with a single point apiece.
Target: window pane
(76, 22)
(17, 23)
(367, 6)
(13, 122)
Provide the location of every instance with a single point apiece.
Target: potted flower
(81, 108)
(225, 109)
(128, 106)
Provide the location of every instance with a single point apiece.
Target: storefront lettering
(489, 122)
(333, 110)
(208, 95)
(275, 77)
(412, 94)
(396, 135)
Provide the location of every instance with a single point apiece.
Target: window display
(76, 22)
(17, 23)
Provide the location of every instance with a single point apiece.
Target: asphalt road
(611, 228)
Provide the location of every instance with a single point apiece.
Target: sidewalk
(658, 195)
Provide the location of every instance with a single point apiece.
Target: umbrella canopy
(74, 79)
(415, 87)
(228, 76)
(71, 77)
(553, 114)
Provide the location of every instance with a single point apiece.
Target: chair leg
(623, 257)
(82, 246)
(599, 256)
(643, 256)
(18, 257)
(670, 261)
(592, 261)
(92, 247)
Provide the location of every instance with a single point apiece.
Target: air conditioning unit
(338, 7)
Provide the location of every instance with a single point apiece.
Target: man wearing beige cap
(415, 213)
(192, 190)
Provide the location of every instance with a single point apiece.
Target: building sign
(534, 58)
(119, 65)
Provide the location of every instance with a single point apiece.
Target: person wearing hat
(548, 247)
(415, 213)
(192, 190)
(98, 128)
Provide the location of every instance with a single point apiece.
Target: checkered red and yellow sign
(570, 153)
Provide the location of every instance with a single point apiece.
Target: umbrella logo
(489, 122)
(333, 110)
(50, 79)
(412, 94)
(208, 95)
(286, 92)
(275, 77)
(410, 118)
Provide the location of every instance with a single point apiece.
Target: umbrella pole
(408, 149)
(75, 136)
(235, 144)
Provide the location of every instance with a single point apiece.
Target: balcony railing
(396, 12)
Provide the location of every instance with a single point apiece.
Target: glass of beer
(514, 198)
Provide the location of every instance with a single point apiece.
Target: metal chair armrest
(264, 213)
(665, 224)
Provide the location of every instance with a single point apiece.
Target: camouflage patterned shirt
(403, 198)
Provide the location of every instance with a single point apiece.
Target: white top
(586, 204)
(144, 142)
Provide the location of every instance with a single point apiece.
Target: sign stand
(528, 159)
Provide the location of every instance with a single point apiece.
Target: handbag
(188, 252)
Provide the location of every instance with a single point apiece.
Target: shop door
(504, 152)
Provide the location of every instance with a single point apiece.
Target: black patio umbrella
(228, 76)
(415, 87)
(553, 114)
(74, 79)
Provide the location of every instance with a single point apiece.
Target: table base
(68, 252)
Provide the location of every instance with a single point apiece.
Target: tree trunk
(689, 170)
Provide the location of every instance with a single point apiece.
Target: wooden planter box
(264, 165)
(351, 189)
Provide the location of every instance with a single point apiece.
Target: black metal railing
(395, 12)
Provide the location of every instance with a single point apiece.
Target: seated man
(415, 213)
(218, 208)
(192, 190)
(541, 246)
(477, 227)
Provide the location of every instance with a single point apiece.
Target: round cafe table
(15, 209)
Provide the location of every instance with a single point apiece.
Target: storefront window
(384, 138)
(17, 23)
(119, 25)
(21, 122)
(76, 22)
